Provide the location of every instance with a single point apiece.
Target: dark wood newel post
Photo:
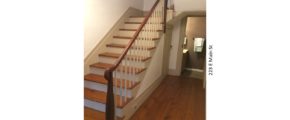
(110, 104)
(165, 15)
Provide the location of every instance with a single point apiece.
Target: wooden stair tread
(116, 45)
(137, 16)
(123, 68)
(91, 114)
(108, 54)
(124, 46)
(100, 79)
(123, 29)
(131, 57)
(122, 37)
(125, 37)
(99, 96)
(133, 22)
(101, 65)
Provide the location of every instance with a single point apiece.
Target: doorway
(194, 47)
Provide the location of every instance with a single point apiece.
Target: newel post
(110, 104)
(165, 15)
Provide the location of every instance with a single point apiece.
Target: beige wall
(148, 4)
(154, 70)
(189, 5)
(180, 5)
(174, 45)
(100, 16)
(178, 34)
(93, 57)
(196, 27)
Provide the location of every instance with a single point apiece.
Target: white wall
(174, 43)
(100, 16)
(154, 70)
(148, 4)
(189, 5)
(180, 5)
(196, 27)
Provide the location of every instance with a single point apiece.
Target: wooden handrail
(110, 104)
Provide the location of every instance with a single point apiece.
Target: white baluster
(135, 58)
(126, 72)
(139, 51)
(131, 64)
(115, 90)
(153, 27)
(151, 31)
(121, 81)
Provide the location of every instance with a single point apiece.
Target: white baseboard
(193, 69)
(173, 72)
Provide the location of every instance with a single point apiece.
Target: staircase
(126, 58)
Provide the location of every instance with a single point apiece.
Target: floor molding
(195, 70)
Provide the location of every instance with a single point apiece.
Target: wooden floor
(177, 98)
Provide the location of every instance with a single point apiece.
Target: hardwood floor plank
(177, 98)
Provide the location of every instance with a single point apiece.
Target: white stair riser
(135, 77)
(132, 51)
(126, 33)
(142, 42)
(110, 60)
(103, 87)
(153, 26)
(135, 19)
(131, 34)
(155, 21)
(141, 19)
(149, 35)
(131, 26)
(147, 27)
(115, 50)
(101, 107)
(121, 41)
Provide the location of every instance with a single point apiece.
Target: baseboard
(194, 73)
(134, 105)
(173, 72)
(193, 69)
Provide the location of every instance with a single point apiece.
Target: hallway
(177, 98)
